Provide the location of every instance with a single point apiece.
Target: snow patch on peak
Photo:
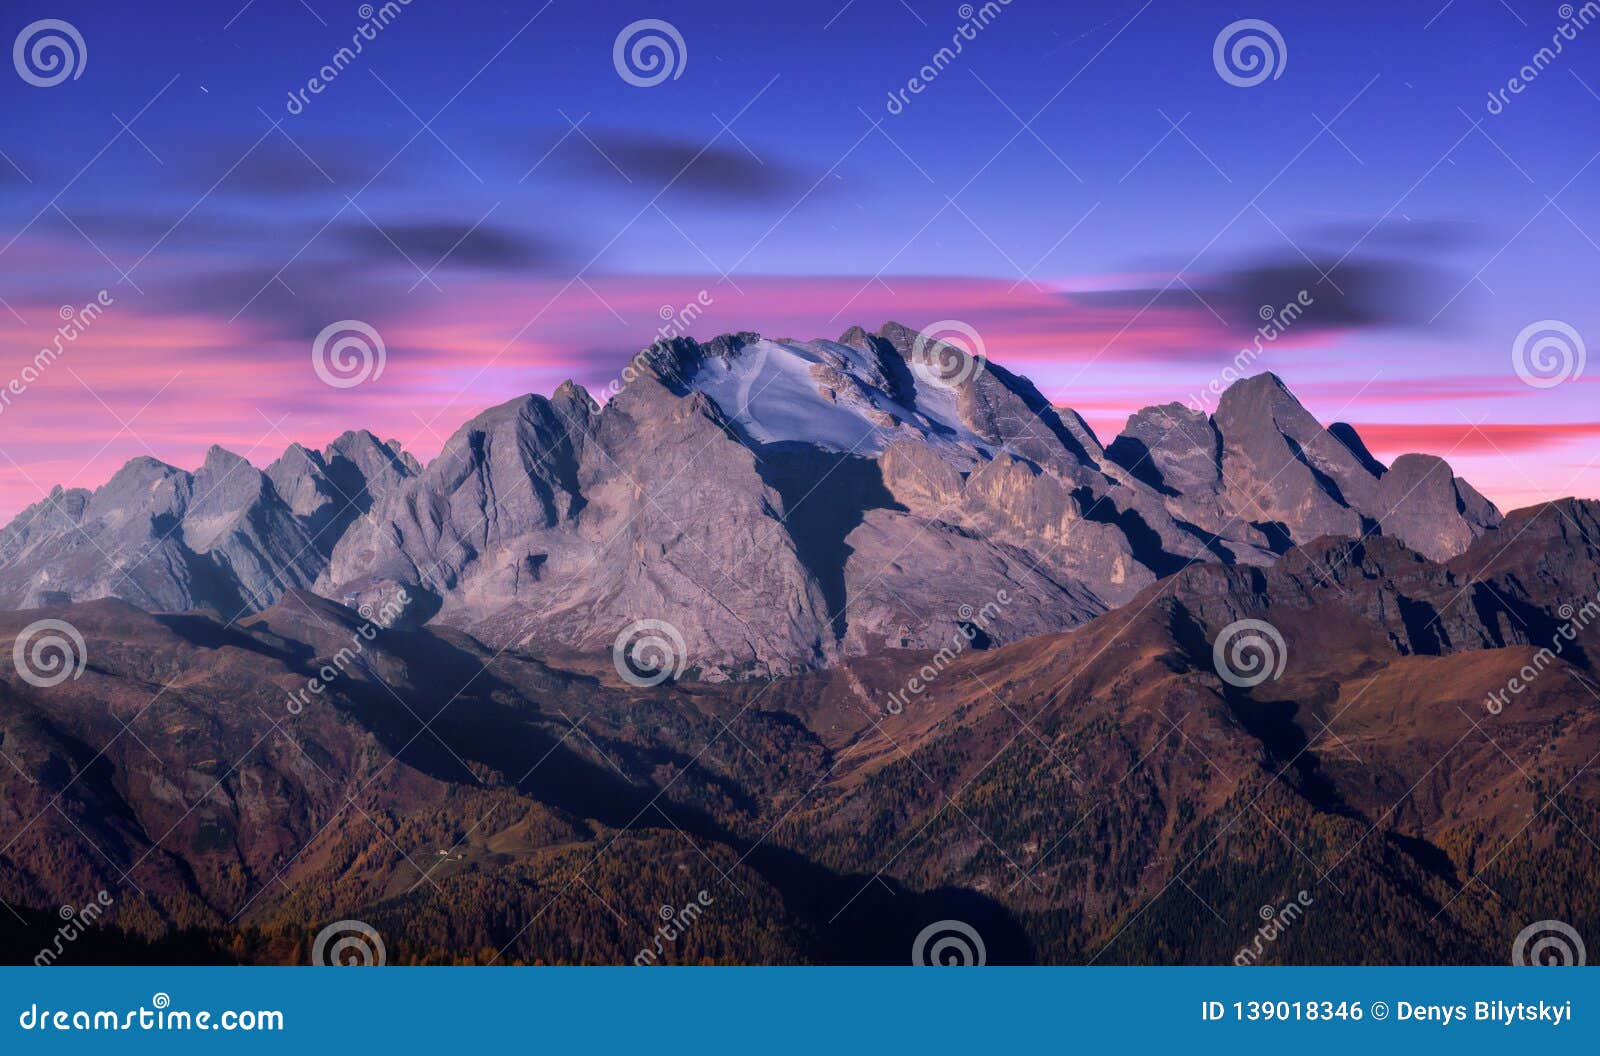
(828, 394)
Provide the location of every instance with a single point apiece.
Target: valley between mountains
(823, 525)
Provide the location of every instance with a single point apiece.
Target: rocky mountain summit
(783, 504)
(226, 537)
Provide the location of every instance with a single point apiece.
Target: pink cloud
(1387, 439)
(194, 378)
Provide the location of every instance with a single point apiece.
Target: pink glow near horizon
(169, 386)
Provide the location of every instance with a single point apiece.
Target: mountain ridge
(783, 504)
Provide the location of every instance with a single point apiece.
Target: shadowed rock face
(1173, 449)
(1272, 476)
(782, 504)
(1279, 466)
(329, 490)
(1432, 511)
(227, 537)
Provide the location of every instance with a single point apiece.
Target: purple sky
(1080, 184)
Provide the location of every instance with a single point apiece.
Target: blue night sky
(1112, 258)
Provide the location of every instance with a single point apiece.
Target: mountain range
(946, 658)
(782, 504)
